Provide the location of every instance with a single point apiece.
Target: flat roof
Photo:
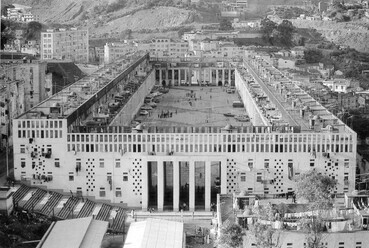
(289, 99)
(75, 233)
(195, 106)
(155, 233)
(74, 96)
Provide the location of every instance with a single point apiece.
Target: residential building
(63, 44)
(113, 51)
(338, 85)
(87, 137)
(163, 47)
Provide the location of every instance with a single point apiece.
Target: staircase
(56, 200)
(36, 198)
(51, 203)
(20, 193)
(68, 208)
(86, 210)
(104, 212)
(119, 220)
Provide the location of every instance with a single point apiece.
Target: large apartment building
(65, 44)
(192, 146)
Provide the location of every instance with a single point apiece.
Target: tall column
(223, 177)
(223, 77)
(173, 77)
(185, 76)
(160, 179)
(145, 188)
(216, 76)
(192, 186)
(179, 76)
(160, 76)
(207, 185)
(210, 75)
(166, 75)
(229, 76)
(176, 185)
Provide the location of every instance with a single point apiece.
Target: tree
(231, 236)
(225, 24)
(316, 189)
(266, 236)
(314, 229)
(7, 33)
(267, 28)
(33, 31)
(313, 56)
(285, 30)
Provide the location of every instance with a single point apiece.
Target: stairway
(36, 198)
(104, 212)
(51, 203)
(20, 193)
(86, 209)
(68, 208)
(119, 220)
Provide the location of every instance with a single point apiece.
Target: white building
(82, 139)
(341, 86)
(65, 44)
(163, 47)
(113, 51)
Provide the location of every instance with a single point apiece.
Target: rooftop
(293, 105)
(155, 233)
(74, 96)
(194, 106)
(75, 233)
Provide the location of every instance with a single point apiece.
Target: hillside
(351, 34)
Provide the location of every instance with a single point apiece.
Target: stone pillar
(223, 77)
(207, 185)
(176, 185)
(223, 177)
(216, 76)
(160, 77)
(173, 77)
(185, 76)
(160, 179)
(229, 77)
(145, 187)
(192, 186)
(179, 76)
(210, 75)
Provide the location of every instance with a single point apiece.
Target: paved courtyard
(195, 106)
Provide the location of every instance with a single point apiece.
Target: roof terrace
(288, 102)
(89, 88)
(194, 106)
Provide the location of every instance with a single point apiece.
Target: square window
(71, 178)
(118, 193)
(102, 193)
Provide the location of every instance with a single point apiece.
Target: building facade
(65, 44)
(72, 142)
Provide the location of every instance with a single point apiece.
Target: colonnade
(211, 76)
(176, 172)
